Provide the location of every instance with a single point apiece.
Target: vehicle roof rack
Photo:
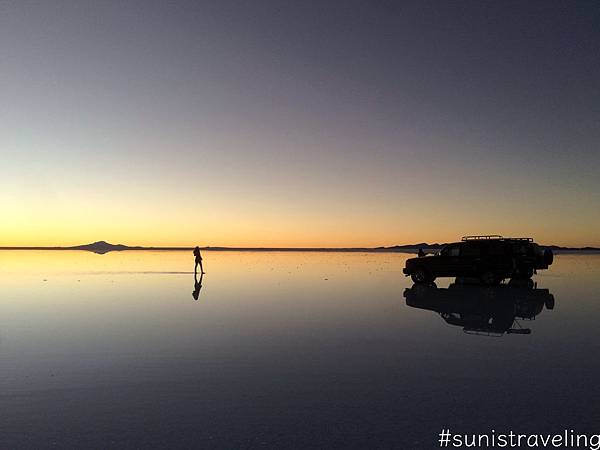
(497, 237)
(482, 237)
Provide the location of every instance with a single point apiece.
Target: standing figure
(421, 253)
(198, 261)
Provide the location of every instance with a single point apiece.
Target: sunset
(311, 125)
(299, 225)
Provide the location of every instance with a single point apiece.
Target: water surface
(286, 350)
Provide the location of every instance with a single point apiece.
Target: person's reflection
(197, 285)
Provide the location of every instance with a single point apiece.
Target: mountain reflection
(491, 311)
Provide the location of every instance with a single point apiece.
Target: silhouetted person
(197, 285)
(421, 253)
(198, 261)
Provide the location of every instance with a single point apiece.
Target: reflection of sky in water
(313, 348)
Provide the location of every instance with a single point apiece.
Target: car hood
(411, 260)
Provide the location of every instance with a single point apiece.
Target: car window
(470, 250)
(452, 250)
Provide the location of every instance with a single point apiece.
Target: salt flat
(281, 350)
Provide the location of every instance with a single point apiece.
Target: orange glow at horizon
(233, 232)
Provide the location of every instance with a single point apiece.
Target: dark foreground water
(287, 350)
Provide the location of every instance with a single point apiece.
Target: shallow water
(286, 350)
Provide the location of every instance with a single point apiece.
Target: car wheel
(526, 284)
(421, 275)
(490, 278)
(423, 288)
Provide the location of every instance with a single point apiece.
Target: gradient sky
(351, 123)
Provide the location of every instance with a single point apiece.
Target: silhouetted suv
(489, 258)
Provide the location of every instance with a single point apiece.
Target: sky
(275, 123)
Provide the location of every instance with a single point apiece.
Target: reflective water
(286, 350)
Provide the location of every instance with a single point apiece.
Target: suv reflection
(491, 311)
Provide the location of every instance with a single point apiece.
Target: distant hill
(436, 246)
(102, 247)
(558, 247)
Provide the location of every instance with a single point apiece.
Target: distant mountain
(558, 247)
(102, 247)
(426, 246)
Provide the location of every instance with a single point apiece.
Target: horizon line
(122, 247)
